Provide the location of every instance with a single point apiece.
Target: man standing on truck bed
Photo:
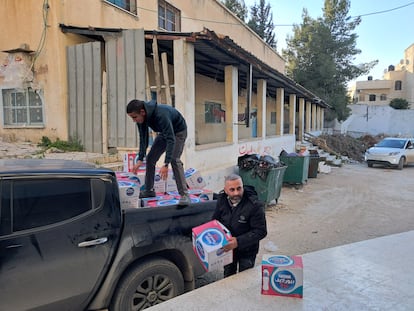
(240, 210)
(171, 130)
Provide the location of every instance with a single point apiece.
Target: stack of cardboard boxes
(130, 184)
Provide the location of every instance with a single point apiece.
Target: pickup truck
(66, 243)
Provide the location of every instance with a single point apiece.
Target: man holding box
(171, 130)
(239, 210)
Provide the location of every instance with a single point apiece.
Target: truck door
(57, 237)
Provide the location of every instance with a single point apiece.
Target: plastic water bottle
(265, 279)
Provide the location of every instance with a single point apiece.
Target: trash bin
(266, 176)
(313, 163)
(297, 169)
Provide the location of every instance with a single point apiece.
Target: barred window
(22, 107)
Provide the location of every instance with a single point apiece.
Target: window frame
(164, 20)
(15, 107)
(129, 6)
(93, 203)
(398, 85)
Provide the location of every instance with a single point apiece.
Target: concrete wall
(368, 119)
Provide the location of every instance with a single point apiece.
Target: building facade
(69, 67)
(397, 82)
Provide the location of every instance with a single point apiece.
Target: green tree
(399, 103)
(320, 55)
(261, 22)
(238, 7)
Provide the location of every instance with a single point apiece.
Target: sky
(383, 34)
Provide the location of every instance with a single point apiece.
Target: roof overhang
(212, 54)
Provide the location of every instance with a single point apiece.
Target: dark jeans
(157, 149)
(243, 261)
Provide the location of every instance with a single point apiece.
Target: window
(361, 97)
(127, 5)
(41, 202)
(214, 113)
(22, 107)
(398, 85)
(169, 18)
(372, 97)
(383, 97)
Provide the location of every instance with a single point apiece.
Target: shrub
(399, 103)
(73, 144)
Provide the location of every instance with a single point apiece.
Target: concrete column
(314, 116)
(261, 108)
(184, 82)
(319, 110)
(231, 77)
(292, 113)
(301, 119)
(322, 118)
(308, 116)
(280, 99)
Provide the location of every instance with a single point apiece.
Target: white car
(391, 151)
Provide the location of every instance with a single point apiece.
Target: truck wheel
(369, 164)
(147, 284)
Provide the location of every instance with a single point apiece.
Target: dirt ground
(350, 204)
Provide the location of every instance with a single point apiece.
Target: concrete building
(397, 82)
(69, 67)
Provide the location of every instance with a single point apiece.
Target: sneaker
(184, 200)
(147, 194)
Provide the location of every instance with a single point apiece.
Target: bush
(399, 103)
(73, 144)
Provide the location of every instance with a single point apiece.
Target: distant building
(397, 82)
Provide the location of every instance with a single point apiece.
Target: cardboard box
(128, 194)
(194, 179)
(129, 161)
(208, 240)
(282, 275)
(164, 186)
(126, 176)
(152, 201)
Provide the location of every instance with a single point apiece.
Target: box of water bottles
(282, 275)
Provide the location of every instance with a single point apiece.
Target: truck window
(38, 202)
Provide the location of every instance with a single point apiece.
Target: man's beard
(235, 199)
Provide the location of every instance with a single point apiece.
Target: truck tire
(147, 284)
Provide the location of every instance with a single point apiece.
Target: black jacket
(246, 222)
(166, 121)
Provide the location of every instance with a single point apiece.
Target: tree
(238, 7)
(320, 55)
(399, 103)
(261, 22)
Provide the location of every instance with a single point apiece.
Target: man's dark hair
(135, 105)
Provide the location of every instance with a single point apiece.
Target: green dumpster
(268, 189)
(297, 169)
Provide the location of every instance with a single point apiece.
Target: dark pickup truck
(66, 244)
